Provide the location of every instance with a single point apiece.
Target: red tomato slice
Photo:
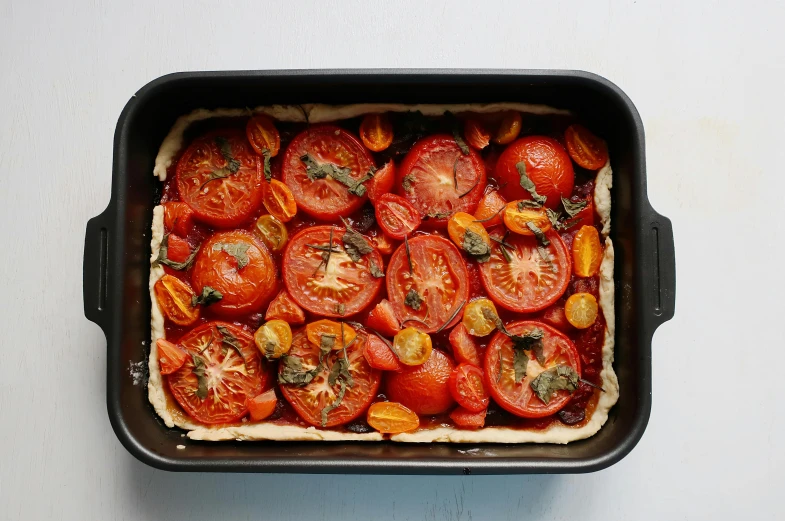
(262, 406)
(232, 370)
(177, 248)
(382, 318)
(382, 182)
(547, 165)
(396, 216)
(245, 280)
(519, 398)
(466, 386)
(528, 282)
(423, 388)
(467, 419)
(464, 348)
(310, 400)
(555, 316)
(380, 356)
(438, 274)
(178, 218)
(342, 287)
(170, 357)
(325, 198)
(220, 178)
(284, 308)
(439, 180)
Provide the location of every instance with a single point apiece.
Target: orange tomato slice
(262, 406)
(474, 319)
(412, 346)
(476, 134)
(581, 310)
(585, 148)
(272, 232)
(175, 300)
(170, 357)
(489, 209)
(315, 331)
(509, 128)
(516, 218)
(263, 135)
(459, 223)
(586, 252)
(279, 200)
(274, 339)
(392, 418)
(376, 132)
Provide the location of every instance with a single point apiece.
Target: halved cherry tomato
(477, 317)
(220, 178)
(178, 218)
(222, 370)
(262, 406)
(555, 316)
(339, 287)
(177, 248)
(376, 131)
(585, 148)
(424, 388)
(174, 298)
(396, 216)
(518, 397)
(238, 266)
(464, 348)
(284, 308)
(392, 418)
(459, 223)
(490, 208)
(412, 347)
(476, 134)
(170, 357)
(515, 219)
(467, 419)
(381, 242)
(467, 388)
(273, 338)
(325, 198)
(586, 252)
(437, 273)
(279, 201)
(439, 180)
(509, 128)
(272, 232)
(310, 400)
(344, 333)
(382, 319)
(528, 282)
(263, 135)
(380, 356)
(581, 310)
(548, 166)
(382, 182)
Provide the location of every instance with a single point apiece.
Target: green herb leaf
(474, 245)
(335, 403)
(503, 247)
(413, 299)
(293, 373)
(268, 173)
(198, 371)
(208, 296)
(554, 216)
(340, 308)
(315, 171)
(528, 185)
(163, 256)
(358, 188)
(354, 243)
(520, 361)
(237, 250)
(376, 271)
(406, 182)
(232, 164)
(456, 132)
(528, 203)
(227, 338)
(438, 215)
(571, 208)
(546, 257)
(538, 233)
(561, 377)
(530, 341)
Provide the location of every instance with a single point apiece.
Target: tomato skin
(476, 134)
(382, 182)
(178, 218)
(490, 208)
(555, 316)
(516, 219)
(376, 132)
(272, 232)
(547, 165)
(432, 166)
(284, 308)
(467, 419)
(262, 406)
(509, 128)
(279, 200)
(174, 299)
(262, 135)
(245, 290)
(170, 357)
(325, 199)
(177, 248)
(344, 333)
(464, 348)
(586, 149)
(392, 418)
(586, 252)
(380, 356)
(381, 242)
(396, 216)
(424, 389)
(467, 388)
(382, 319)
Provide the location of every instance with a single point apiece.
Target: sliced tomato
(178, 218)
(222, 370)
(283, 307)
(262, 406)
(412, 346)
(273, 339)
(424, 388)
(325, 198)
(586, 252)
(468, 389)
(382, 318)
(439, 180)
(339, 287)
(376, 131)
(581, 310)
(528, 282)
(170, 357)
(382, 182)
(174, 297)
(392, 418)
(380, 356)
(380, 241)
(220, 178)
(509, 128)
(490, 209)
(585, 148)
(517, 219)
(279, 200)
(476, 134)
(239, 267)
(518, 397)
(479, 317)
(467, 419)
(262, 135)
(548, 166)
(396, 216)
(464, 348)
(310, 400)
(437, 273)
(272, 232)
(344, 334)
(177, 248)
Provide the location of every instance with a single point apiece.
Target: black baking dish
(117, 253)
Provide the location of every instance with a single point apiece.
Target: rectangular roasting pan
(117, 254)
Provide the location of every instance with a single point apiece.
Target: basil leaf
(528, 185)
(571, 208)
(198, 371)
(528, 203)
(520, 361)
(413, 299)
(237, 250)
(293, 372)
(229, 339)
(163, 256)
(334, 404)
(268, 174)
(456, 132)
(561, 377)
(538, 233)
(315, 171)
(232, 164)
(554, 216)
(354, 244)
(546, 257)
(474, 245)
(376, 271)
(208, 296)
(503, 248)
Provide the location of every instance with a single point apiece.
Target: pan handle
(95, 269)
(659, 265)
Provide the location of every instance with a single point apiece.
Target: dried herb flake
(237, 250)
(316, 171)
(354, 243)
(163, 256)
(561, 377)
(198, 371)
(571, 208)
(413, 299)
(528, 185)
(209, 295)
(474, 245)
(538, 233)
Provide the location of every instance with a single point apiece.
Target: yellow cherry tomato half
(315, 331)
(515, 218)
(412, 346)
(272, 232)
(274, 339)
(477, 317)
(392, 418)
(581, 310)
(586, 252)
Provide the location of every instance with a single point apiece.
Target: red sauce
(588, 342)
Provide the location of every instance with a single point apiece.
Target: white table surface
(709, 81)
